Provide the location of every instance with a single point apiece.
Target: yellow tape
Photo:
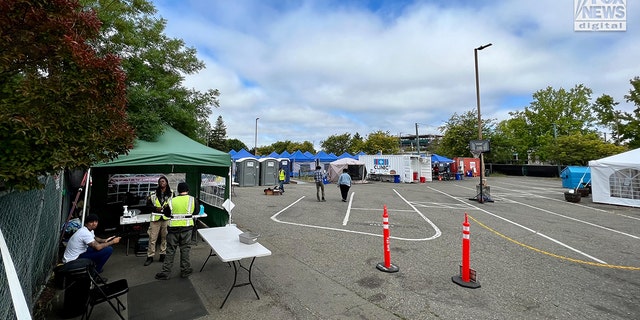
(552, 254)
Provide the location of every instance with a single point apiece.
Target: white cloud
(312, 69)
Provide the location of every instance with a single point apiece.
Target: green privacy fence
(31, 222)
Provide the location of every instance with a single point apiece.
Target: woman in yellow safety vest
(158, 222)
(180, 209)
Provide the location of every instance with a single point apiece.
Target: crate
(248, 237)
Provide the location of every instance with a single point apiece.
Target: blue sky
(312, 69)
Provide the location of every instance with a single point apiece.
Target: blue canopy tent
(440, 159)
(273, 155)
(346, 155)
(324, 157)
(302, 164)
(241, 154)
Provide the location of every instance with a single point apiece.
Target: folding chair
(105, 292)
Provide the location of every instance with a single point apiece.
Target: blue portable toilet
(285, 164)
(571, 176)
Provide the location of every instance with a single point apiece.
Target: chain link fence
(31, 222)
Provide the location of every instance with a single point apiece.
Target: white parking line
(528, 229)
(436, 235)
(346, 216)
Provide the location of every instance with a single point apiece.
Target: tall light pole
(255, 144)
(475, 56)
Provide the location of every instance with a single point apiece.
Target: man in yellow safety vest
(180, 209)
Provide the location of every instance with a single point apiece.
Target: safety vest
(155, 216)
(181, 209)
(282, 175)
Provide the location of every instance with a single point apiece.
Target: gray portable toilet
(268, 171)
(247, 172)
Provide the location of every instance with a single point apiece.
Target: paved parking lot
(536, 255)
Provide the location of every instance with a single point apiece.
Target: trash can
(396, 178)
(73, 280)
(415, 176)
(458, 176)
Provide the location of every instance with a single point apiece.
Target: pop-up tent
(173, 152)
(435, 158)
(356, 168)
(616, 179)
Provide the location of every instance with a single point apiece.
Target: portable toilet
(285, 164)
(268, 171)
(572, 176)
(247, 172)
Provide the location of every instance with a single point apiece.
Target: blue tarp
(438, 158)
(572, 176)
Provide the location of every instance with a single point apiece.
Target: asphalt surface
(536, 256)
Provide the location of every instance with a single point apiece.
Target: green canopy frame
(173, 152)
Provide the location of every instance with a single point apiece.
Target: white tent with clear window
(616, 179)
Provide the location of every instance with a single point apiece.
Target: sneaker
(162, 276)
(148, 261)
(323, 200)
(161, 258)
(343, 200)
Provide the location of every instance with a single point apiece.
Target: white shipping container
(406, 166)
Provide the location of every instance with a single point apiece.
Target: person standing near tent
(281, 177)
(318, 177)
(158, 222)
(344, 183)
(180, 209)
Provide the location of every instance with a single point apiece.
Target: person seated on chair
(84, 244)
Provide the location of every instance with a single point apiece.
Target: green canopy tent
(173, 152)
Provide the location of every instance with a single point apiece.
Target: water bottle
(201, 209)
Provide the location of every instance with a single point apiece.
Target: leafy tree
(62, 104)
(218, 135)
(337, 144)
(381, 141)
(578, 149)
(631, 131)
(155, 66)
(235, 144)
(458, 131)
(555, 113)
(357, 144)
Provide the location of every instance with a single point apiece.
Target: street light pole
(475, 56)
(255, 145)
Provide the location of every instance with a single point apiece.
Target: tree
(381, 141)
(458, 131)
(555, 113)
(62, 104)
(357, 144)
(235, 144)
(631, 129)
(155, 66)
(578, 149)
(218, 135)
(338, 144)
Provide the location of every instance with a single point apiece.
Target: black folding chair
(105, 292)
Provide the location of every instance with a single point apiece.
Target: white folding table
(225, 243)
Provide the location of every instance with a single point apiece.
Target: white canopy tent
(616, 179)
(355, 167)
